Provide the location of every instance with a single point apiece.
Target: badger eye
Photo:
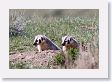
(65, 41)
(70, 39)
(36, 41)
(42, 39)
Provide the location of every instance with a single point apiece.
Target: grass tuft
(73, 53)
(59, 59)
(19, 65)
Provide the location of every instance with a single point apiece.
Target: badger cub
(69, 42)
(43, 43)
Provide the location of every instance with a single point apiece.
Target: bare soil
(87, 59)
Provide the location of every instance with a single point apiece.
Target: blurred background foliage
(24, 24)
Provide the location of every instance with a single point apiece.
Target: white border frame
(102, 72)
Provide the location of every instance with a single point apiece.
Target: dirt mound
(34, 59)
(87, 59)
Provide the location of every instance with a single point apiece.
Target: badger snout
(63, 44)
(35, 44)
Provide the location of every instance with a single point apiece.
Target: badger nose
(63, 44)
(34, 44)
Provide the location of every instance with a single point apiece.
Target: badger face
(39, 39)
(66, 40)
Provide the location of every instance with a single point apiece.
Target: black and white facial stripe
(38, 39)
(66, 40)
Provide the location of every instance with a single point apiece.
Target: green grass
(54, 28)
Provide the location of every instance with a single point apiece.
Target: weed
(59, 59)
(19, 65)
(73, 53)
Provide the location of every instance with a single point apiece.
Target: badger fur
(69, 42)
(43, 43)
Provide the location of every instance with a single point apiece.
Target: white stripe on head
(64, 38)
(39, 37)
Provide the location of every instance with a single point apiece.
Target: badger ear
(42, 38)
(73, 37)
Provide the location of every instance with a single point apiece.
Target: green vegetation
(54, 28)
(59, 59)
(25, 24)
(73, 53)
(19, 65)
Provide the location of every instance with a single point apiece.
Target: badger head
(39, 39)
(66, 40)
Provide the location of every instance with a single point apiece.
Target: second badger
(69, 42)
(43, 43)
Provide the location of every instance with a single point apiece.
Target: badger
(69, 42)
(43, 43)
